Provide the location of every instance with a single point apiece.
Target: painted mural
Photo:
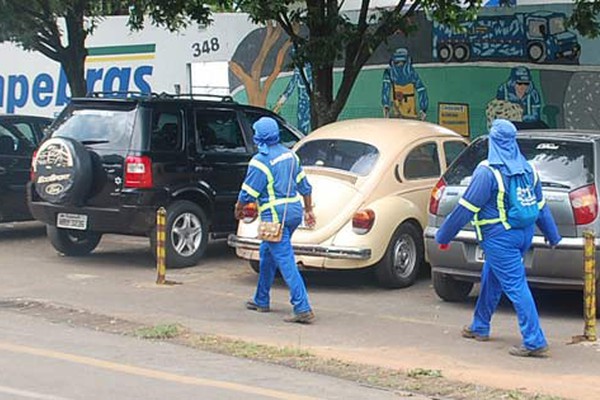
(520, 63)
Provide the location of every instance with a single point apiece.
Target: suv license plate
(479, 255)
(72, 221)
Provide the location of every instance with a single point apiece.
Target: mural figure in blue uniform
(519, 89)
(303, 111)
(276, 181)
(504, 246)
(403, 94)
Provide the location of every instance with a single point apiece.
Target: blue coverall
(503, 269)
(268, 180)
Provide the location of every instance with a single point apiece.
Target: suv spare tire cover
(62, 171)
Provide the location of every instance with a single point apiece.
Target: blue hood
(266, 133)
(504, 150)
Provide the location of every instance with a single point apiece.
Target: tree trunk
(74, 54)
(74, 66)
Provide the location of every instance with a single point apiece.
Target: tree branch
(240, 73)
(278, 66)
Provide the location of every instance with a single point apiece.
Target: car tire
(536, 52)
(73, 243)
(183, 218)
(445, 52)
(63, 171)
(403, 258)
(462, 53)
(449, 289)
(255, 265)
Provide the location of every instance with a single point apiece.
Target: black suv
(19, 137)
(108, 164)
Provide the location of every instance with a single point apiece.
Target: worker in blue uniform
(276, 181)
(484, 203)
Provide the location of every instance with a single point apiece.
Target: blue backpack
(522, 208)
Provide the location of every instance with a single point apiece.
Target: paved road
(47, 361)
(409, 328)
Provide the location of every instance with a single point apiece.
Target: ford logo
(54, 189)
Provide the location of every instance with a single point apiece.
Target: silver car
(567, 165)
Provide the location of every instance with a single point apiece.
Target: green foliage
(174, 14)
(585, 17)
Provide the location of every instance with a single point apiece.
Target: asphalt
(403, 329)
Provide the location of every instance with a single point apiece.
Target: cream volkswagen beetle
(371, 181)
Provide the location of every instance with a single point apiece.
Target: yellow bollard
(589, 288)
(161, 254)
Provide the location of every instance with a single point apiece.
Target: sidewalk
(404, 329)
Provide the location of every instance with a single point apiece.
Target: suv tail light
(436, 195)
(32, 168)
(585, 204)
(138, 172)
(362, 221)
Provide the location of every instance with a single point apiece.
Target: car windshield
(560, 163)
(346, 155)
(557, 25)
(96, 126)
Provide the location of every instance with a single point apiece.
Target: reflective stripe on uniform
(270, 186)
(541, 204)
(250, 190)
(468, 205)
(477, 223)
(279, 202)
(300, 176)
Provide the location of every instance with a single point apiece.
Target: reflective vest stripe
(468, 205)
(541, 204)
(477, 223)
(279, 202)
(250, 190)
(300, 176)
(270, 187)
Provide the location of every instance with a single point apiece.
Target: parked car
(108, 164)
(19, 137)
(371, 182)
(568, 169)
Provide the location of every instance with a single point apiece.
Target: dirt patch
(428, 382)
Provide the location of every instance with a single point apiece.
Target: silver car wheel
(404, 256)
(186, 234)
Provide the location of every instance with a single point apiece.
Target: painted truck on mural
(536, 37)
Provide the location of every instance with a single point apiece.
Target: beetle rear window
(346, 155)
(560, 163)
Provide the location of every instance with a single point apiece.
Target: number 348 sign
(205, 47)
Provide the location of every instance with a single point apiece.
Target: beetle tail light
(436, 195)
(363, 221)
(250, 212)
(584, 202)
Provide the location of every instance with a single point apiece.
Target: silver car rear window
(347, 155)
(560, 163)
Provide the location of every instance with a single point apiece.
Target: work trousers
(280, 255)
(503, 271)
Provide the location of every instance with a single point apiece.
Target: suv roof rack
(199, 96)
(123, 94)
(163, 95)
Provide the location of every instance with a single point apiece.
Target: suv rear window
(560, 163)
(347, 155)
(109, 126)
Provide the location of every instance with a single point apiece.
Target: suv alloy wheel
(186, 234)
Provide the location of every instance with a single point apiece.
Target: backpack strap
(536, 178)
(477, 223)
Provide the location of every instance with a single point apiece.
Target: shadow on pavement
(21, 230)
